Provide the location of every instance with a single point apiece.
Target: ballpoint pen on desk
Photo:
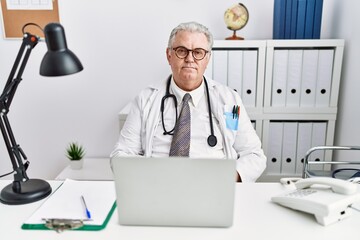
(88, 215)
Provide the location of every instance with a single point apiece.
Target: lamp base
(31, 191)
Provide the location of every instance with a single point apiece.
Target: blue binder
(309, 19)
(279, 19)
(294, 9)
(317, 19)
(288, 11)
(301, 16)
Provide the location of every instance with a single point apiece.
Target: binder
(303, 144)
(66, 203)
(317, 19)
(288, 11)
(294, 78)
(274, 147)
(318, 138)
(220, 66)
(279, 19)
(300, 20)
(325, 68)
(309, 78)
(294, 9)
(235, 69)
(278, 96)
(288, 155)
(309, 21)
(248, 92)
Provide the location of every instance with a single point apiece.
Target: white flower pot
(76, 164)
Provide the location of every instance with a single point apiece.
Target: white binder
(220, 66)
(325, 67)
(289, 148)
(235, 69)
(294, 78)
(248, 92)
(303, 145)
(318, 139)
(279, 78)
(309, 77)
(274, 147)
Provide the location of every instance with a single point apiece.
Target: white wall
(346, 26)
(122, 47)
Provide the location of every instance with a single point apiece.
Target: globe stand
(234, 37)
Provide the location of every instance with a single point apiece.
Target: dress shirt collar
(196, 94)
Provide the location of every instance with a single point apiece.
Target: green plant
(75, 151)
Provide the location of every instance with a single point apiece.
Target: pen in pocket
(236, 112)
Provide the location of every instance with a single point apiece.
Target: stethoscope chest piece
(212, 140)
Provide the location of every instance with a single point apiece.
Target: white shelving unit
(308, 105)
(290, 90)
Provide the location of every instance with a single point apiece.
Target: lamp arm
(14, 150)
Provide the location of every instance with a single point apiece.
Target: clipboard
(64, 210)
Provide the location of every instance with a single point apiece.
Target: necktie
(180, 144)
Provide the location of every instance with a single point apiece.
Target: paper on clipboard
(66, 203)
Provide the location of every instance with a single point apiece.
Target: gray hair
(193, 27)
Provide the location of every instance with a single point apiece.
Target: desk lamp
(58, 61)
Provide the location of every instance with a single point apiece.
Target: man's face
(188, 72)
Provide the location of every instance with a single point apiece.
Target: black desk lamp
(58, 61)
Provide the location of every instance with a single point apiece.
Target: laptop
(175, 191)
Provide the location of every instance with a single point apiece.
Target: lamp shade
(59, 60)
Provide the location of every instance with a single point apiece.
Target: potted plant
(75, 153)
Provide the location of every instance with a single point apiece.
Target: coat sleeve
(251, 160)
(130, 139)
(243, 143)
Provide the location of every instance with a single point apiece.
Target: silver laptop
(175, 191)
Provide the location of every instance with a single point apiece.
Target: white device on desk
(175, 191)
(328, 199)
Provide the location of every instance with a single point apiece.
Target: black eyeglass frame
(188, 51)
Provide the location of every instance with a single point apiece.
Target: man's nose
(189, 57)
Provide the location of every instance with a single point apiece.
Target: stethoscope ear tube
(212, 140)
(162, 107)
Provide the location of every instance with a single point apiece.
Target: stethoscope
(211, 140)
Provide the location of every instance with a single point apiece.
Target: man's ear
(168, 54)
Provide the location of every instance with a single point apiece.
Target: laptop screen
(175, 191)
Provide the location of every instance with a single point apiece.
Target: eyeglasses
(197, 53)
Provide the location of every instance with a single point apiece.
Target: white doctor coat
(242, 144)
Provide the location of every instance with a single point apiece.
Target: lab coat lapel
(218, 101)
(151, 116)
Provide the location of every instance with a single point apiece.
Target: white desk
(93, 169)
(256, 217)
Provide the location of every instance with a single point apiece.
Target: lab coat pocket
(232, 122)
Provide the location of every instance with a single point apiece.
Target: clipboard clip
(60, 225)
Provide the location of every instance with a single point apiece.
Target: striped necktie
(180, 145)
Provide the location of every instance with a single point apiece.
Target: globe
(236, 17)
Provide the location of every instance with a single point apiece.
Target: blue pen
(86, 209)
